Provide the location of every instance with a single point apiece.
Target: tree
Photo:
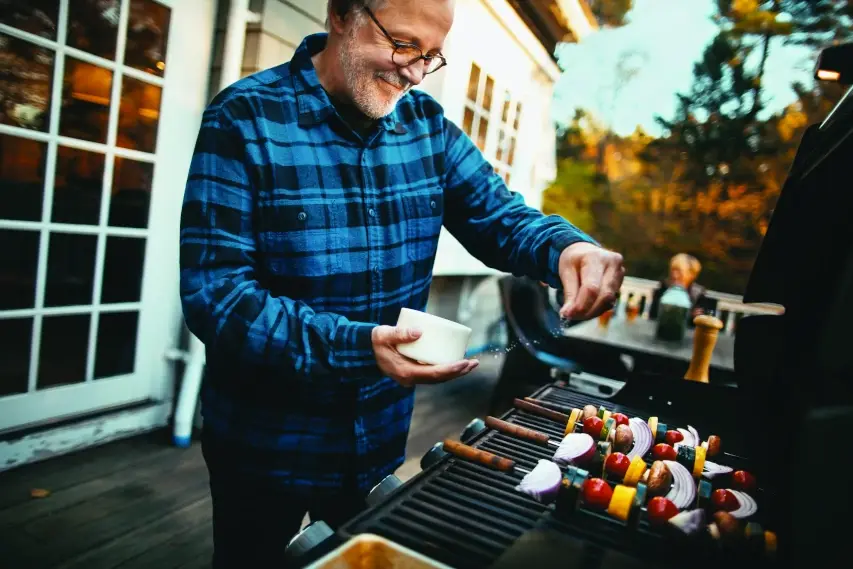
(812, 23)
(709, 184)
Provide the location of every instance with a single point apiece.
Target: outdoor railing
(730, 307)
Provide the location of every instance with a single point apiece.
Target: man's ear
(336, 17)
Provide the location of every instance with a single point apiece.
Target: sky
(666, 37)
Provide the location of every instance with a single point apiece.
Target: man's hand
(591, 278)
(405, 371)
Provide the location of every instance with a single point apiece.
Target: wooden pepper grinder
(704, 340)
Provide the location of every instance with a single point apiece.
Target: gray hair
(344, 7)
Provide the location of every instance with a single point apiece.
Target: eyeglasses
(406, 54)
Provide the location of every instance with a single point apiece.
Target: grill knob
(433, 455)
(473, 428)
(313, 535)
(382, 490)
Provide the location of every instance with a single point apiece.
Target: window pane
(517, 115)
(507, 105)
(26, 76)
(22, 163)
(116, 349)
(473, 82)
(15, 341)
(77, 189)
(468, 122)
(511, 156)
(139, 115)
(131, 193)
(70, 269)
(85, 101)
(123, 270)
(93, 26)
(500, 151)
(19, 251)
(481, 133)
(487, 98)
(147, 34)
(38, 17)
(63, 350)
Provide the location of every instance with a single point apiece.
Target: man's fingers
(392, 335)
(590, 288)
(441, 373)
(570, 291)
(610, 284)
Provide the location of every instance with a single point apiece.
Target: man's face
(373, 81)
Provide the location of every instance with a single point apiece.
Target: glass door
(85, 159)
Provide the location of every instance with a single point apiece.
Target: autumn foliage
(707, 185)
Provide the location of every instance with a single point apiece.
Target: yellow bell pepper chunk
(635, 471)
(573, 418)
(699, 463)
(622, 502)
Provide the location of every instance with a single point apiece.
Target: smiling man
(312, 213)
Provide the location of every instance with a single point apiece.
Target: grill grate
(468, 515)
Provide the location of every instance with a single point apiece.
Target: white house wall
(490, 34)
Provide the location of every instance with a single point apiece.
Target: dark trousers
(254, 517)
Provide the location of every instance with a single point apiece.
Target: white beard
(362, 84)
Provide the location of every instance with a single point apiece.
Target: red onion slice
(713, 469)
(688, 438)
(689, 522)
(683, 490)
(643, 437)
(575, 448)
(747, 505)
(543, 482)
(696, 440)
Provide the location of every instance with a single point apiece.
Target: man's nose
(415, 72)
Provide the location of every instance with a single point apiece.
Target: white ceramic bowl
(442, 341)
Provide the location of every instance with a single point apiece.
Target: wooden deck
(142, 503)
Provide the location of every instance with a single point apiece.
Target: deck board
(142, 503)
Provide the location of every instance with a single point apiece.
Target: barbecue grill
(467, 515)
(788, 419)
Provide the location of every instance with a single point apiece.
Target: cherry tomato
(663, 451)
(617, 464)
(597, 493)
(621, 419)
(592, 426)
(743, 480)
(724, 500)
(660, 509)
(673, 437)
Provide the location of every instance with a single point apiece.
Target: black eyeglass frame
(402, 44)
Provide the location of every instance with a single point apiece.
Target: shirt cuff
(355, 353)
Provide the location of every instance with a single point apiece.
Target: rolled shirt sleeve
(495, 224)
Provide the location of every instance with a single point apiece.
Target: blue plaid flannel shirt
(298, 237)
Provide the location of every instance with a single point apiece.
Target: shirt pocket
(424, 217)
(303, 239)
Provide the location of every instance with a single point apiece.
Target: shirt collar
(312, 101)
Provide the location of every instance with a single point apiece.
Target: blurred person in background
(684, 270)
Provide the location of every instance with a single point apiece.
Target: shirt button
(302, 216)
(432, 204)
(371, 212)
